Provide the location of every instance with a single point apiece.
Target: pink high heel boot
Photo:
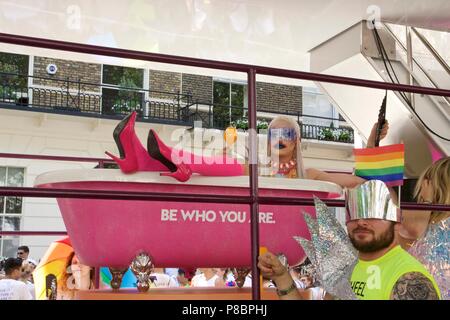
(182, 167)
(133, 156)
(123, 135)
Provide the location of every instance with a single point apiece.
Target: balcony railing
(90, 99)
(219, 116)
(66, 96)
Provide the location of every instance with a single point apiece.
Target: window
(116, 99)
(229, 101)
(10, 210)
(316, 104)
(13, 76)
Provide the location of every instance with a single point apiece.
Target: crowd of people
(16, 276)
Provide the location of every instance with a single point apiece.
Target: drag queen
(284, 150)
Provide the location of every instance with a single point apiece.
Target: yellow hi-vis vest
(375, 280)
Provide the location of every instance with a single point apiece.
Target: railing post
(210, 116)
(79, 93)
(253, 163)
(180, 111)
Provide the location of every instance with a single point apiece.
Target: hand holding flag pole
(381, 163)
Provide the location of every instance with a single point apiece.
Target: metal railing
(218, 116)
(251, 71)
(73, 98)
(78, 97)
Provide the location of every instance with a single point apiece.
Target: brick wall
(201, 87)
(60, 100)
(270, 97)
(278, 97)
(164, 81)
(74, 70)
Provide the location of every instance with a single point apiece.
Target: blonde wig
(438, 176)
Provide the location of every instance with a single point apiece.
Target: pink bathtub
(111, 232)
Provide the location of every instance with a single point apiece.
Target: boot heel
(182, 174)
(126, 165)
(159, 151)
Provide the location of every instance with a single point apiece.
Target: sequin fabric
(330, 251)
(432, 250)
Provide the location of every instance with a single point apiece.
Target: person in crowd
(384, 270)
(11, 288)
(248, 281)
(23, 252)
(425, 234)
(173, 273)
(208, 277)
(183, 281)
(284, 151)
(76, 277)
(33, 264)
(27, 276)
(229, 278)
(296, 273)
(314, 292)
(163, 280)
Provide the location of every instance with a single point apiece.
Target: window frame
(143, 90)
(4, 214)
(230, 83)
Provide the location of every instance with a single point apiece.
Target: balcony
(68, 97)
(79, 98)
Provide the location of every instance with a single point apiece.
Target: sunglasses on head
(282, 134)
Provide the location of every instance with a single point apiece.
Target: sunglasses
(282, 134)
(20, 253)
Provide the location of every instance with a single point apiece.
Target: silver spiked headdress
(371, 200)
(330, 251)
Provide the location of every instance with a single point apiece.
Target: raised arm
(271, 268)
(373, 134)
(342, 179)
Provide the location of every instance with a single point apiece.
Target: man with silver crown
(384, 270)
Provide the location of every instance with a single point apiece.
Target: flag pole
(381, 120)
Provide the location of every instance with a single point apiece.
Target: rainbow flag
(381, 163)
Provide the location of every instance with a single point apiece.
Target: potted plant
(262, 125)
(326, 134)
(240, 124)
(7, 94)
(344, 136)
(243, 124)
